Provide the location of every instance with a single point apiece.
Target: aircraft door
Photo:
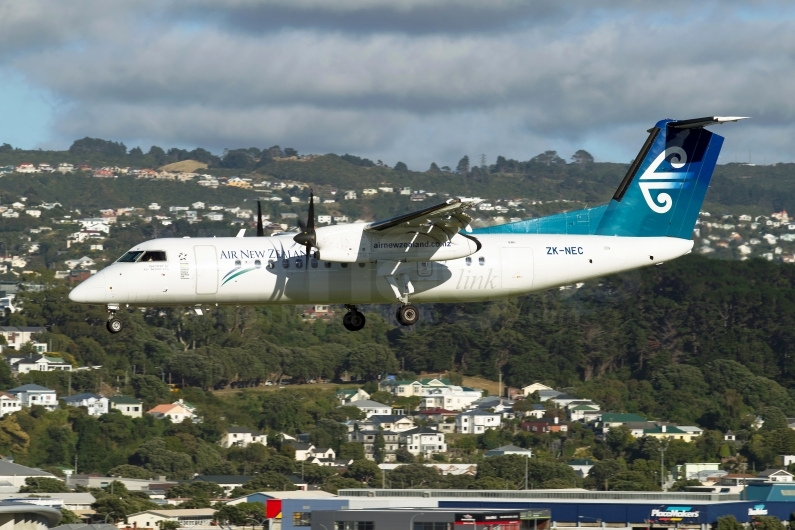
(517, 268)
(206, 269)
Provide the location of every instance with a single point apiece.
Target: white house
(184, 518)
(349, 395)
(9, 403)
(177, 412)
(15, 474)
(96, 405)
(31, 394)
(372, 408)
(127, 406)
(423, 441)
(17, 336)
(510, 449)
(535, 387)
(82, 263)
(477, 421)
(241, 437)
(40, 363)
(350, 195)
(582, 466)
(435, 393)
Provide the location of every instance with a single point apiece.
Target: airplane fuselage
(273, 270)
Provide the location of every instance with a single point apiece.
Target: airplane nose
(86, 293)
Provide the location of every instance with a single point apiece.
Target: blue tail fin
(665, 186)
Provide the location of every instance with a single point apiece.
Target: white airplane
(431, 255)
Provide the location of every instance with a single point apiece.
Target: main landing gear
(408, 315)
(353, 320)
(114, 323)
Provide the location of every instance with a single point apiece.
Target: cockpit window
(131, 256)
(154, 255)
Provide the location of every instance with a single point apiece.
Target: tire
(353, 321)
(114, 325)
(357, 321)
(408, 315)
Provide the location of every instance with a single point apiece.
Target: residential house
(390, 422)
(16, 337)
(535, 387)
(583, 413)
(372, 408)
(668, 432)
(609, 420)
(543, 425)
(477, 421)
(39, 363)
(581, 466)
(96, 405)
(242, 436)
(15, 475)
(9, 403)
(730, 436)
(435, 393)
(31, 394)
(775, 475)
(177, 412)
(691, 429)
(127, 405)
(509, 449)
(438, 415)
(151, 519)
(83, 263)
(368, 438)
(302, 451)
(423, 441)
(348, 396)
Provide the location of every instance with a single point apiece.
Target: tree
(549, 158)
(168, 525)
(128, 471)
(69, 517)
(400, 166)
(209, 490)
(365, 471)
(582, 158)
(768, 522)
(403, 455)
(379, 448)
(96, 146)
(463, 166)
(289, 151)
(267, 481)
(230, 514)
(434, 168)
(43, 485)
(415, 476)
(728, 522)
(156, 457)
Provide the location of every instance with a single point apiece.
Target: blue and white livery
(431, 255)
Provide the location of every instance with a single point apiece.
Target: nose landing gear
(408, 315)
(353, 319)
(113, 324)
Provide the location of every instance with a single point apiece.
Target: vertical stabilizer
(665, 186)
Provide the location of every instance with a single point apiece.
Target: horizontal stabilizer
(704, 122)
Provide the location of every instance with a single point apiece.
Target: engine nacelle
(351, 244)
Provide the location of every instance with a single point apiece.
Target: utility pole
(663, 448)
(499, 391)
(526, 458)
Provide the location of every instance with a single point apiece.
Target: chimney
(663, 427)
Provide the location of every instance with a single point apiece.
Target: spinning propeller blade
(260, 230)
(307, 237)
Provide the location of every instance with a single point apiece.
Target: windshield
(130, 256)
(154, 255)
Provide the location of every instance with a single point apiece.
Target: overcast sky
(419, 81)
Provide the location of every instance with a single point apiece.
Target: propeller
(260, 230)
(308, 237)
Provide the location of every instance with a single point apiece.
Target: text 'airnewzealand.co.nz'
(565, 250)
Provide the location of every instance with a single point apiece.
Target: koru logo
(183, 256)
(664, 180)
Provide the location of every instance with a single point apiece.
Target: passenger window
(344, 265)
(131, 256)
(154, 255)
(481, 261)
(327, 264)
(257, 263)
(299, 262)
(314, 263)
(285, 263)
(469, 261)
(238, 263)
(271, 264)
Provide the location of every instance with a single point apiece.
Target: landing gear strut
(114, 324)
(353, 319)
(408, 315)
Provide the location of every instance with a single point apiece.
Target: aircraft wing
(449, 217)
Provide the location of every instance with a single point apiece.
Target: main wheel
(114, 325)
(353, 321)
(408, 315)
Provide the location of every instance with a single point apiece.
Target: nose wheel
(353, 320)
(114, 323)
(408, 315)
